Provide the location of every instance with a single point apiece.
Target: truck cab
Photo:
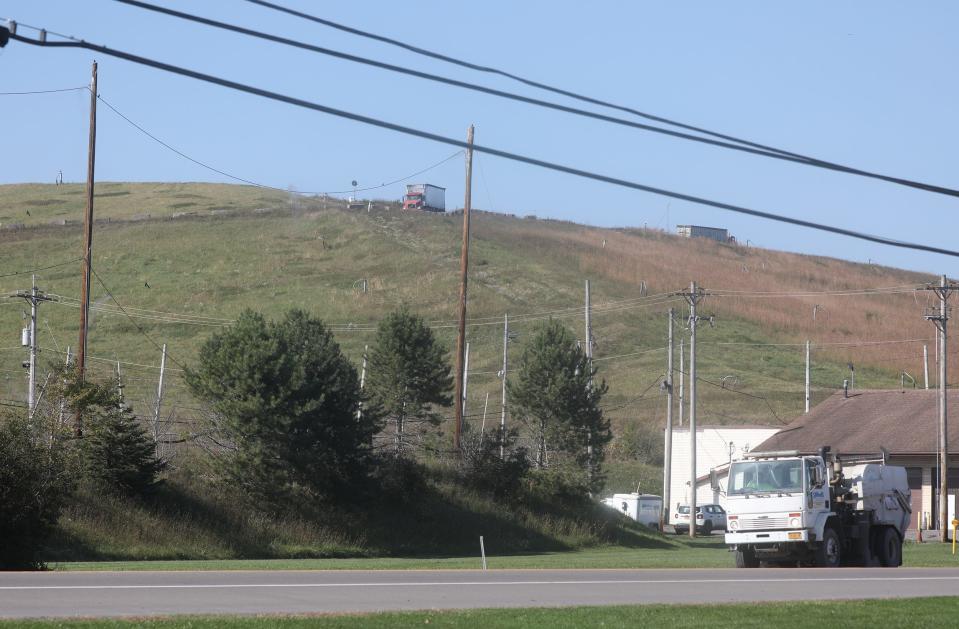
(783, 507)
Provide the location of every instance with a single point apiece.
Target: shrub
(34, 484)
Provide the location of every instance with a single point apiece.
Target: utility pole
(466, 374)
(682, 377)
(119, 386)
(502, 417)
(34, 296)
(668, 460)
(693, 297)
(159, 402)
(925, 365)
(464, 266)
(359, 410)
(807, 375)
(589, 366)
(87, 239)
(62, 404)
(939, 319)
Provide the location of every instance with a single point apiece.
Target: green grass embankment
(904, 613)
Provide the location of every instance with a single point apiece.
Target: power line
(739, 146)
(65, 89)
(45, 268)
(262, 185)
(479, 148)
(132, 320)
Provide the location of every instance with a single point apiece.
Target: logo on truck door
(818, 499)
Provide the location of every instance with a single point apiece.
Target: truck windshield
(749, 477)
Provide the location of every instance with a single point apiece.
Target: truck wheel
(746, 558)
(828, 551)
(889, 549)
(708, 527)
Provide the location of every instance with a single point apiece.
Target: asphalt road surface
(64, 594)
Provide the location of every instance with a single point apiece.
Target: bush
(481, 467)
(34, 485)
(398, 480)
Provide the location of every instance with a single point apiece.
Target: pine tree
(554, 394)
(285, 399)
(408, 378)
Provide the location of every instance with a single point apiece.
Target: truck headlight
(795, 523)
(734, 525)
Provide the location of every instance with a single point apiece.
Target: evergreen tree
(554, 394)
(408, 377)
(34, 484)
(285, 400)
(115, 448)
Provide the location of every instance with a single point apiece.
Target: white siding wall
(712, 450)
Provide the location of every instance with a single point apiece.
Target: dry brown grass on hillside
(668, 263)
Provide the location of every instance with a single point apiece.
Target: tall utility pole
(807, 375)
(464, 266)
(359, 409)
(668, 459)
(159, 402)
(87, 238)
(34, 296)
(466, 375)
(502, 417)
(589, 365)
(925, 366)
(693, 297)
(682, 377)
(939, 319)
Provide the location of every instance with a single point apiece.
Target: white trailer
(644, 508)
(424, 196)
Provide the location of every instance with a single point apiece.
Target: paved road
(262, 592)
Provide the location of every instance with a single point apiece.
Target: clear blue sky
(870, 85)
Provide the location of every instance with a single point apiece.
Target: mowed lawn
(900, 613)
(704, 553)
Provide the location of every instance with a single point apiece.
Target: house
(716, 446)
(905, 423)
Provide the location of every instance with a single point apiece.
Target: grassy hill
(176, 262)
(184, 259)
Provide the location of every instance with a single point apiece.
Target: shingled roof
(903, 422)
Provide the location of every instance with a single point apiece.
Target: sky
(868, 85)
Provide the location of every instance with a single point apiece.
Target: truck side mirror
(713, 480)
(817, 476)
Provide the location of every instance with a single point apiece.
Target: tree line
(292, 423)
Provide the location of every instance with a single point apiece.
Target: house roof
(903, 422)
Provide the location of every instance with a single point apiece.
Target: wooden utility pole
(589, 366)
(693, 297)
(668, 459)
(682, 378)
(87, 238)
(34, 296)
(464, 266)
(359, 409)
(807, 376)
(502, 418)
(159, 403)
(939, 319)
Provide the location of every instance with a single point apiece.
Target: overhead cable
(263, 185)
(739, 146)
(477, 147)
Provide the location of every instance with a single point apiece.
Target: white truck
(424, 196)
(787, 509)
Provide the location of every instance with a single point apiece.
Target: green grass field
(905, 613)
(703, 553)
